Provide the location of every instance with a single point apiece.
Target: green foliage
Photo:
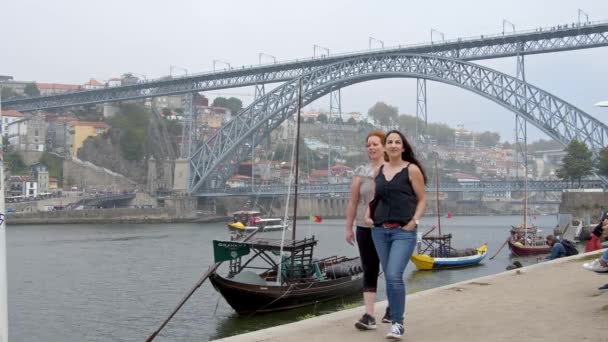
(602, 166)
(308, 159)
(383, 114)
(132, 121)
(15, 164)
(31, 89)
(235, 105)
(54, 165)
(577, 163)
(442, 133)
(488, 139)
(322, 118)
(351, 121)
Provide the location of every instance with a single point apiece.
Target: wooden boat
(307, 282)
(266, 275)
(435, 252)
(519, 249)
(427, 262)
(247, 221)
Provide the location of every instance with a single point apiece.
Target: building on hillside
(53, 184)
(40, 173)
(114, 82)
(93, 84)
(28, 133)
(80, 130)
(8, 117)
(56, 88)
(170, 101)
(21, 187)
(58, 133)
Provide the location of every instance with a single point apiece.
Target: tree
(351, 121)
(322, 118)
(31, 89)
(383, 114)
(577, 163)
(602, 166)
(488, 139)
(233, 104)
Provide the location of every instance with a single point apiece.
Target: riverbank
(551, 301)
(112, 216)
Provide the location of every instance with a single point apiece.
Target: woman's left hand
(409, 226)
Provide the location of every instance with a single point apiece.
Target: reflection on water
(119, 282)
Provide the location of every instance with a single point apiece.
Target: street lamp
(441, 33)
(314, 50)
(3, 285)
(261, 54)
(171, 67)
(580, 11)
(372, 39)
(504, 23)
(215, 61)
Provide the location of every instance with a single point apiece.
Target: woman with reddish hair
(361, 193)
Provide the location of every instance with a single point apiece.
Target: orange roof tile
(12, 112)
(57, 86)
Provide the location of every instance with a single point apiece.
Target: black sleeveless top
(395, 199)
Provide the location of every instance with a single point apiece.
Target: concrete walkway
(551, 301)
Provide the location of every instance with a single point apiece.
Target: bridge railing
(465, 186)
(288, 62)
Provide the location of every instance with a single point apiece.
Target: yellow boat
(427, 262)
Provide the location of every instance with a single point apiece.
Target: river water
(119, 282)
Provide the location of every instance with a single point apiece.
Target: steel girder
(482, 47)
(557, 118)
(483, 186)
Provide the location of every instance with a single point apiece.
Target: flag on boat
(449, 215)
(316, 219)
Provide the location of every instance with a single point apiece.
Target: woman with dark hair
(361, 193)
(396, 209)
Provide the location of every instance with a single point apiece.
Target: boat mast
(437, 196)
(3, 282)
(297, 159)
(525, 203)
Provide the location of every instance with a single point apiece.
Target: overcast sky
(73, 40)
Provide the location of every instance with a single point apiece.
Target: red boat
(519, 249)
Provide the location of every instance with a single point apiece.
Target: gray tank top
(366, 192)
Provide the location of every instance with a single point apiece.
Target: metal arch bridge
(542, 40)
(557, 118)
(344, 189)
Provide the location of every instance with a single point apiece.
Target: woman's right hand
(350, 237)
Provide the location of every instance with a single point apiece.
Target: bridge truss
(557, 118)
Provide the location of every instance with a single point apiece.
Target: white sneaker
(595, 266)
(397, 331)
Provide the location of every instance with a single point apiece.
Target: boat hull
(242, 228)
(520, 249)
(247, 299)
(426, 262)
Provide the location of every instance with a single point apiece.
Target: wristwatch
(417, 222)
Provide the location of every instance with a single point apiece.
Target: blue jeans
(395, 247)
